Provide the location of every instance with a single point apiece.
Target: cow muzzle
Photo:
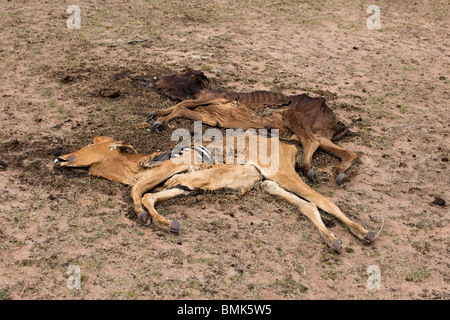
(61, 162)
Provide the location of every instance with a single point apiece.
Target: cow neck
(124, 169)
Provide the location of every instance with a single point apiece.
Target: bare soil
(60, 88)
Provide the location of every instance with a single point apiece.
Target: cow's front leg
(291, 182)
(151, 179)
(308, 209)
(149, 201)
(158, 123)
(159, 118)
(154, 116)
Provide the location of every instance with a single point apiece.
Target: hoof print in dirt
(67, 79)
(109, 93)
(52, 197)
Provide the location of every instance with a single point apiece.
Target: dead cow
(156, 178)
(309, 119)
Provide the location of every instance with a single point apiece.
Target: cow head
(184, 85)
(100, 150)
(106, 157)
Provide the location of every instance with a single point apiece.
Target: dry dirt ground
(390, 86)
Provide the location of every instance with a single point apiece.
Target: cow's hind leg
(188, 114)
(292, 182)
(308, 209)
(161, 117)
(157, 114)
(210, 116)
(180, 113)
(347, 157)
(149, 201)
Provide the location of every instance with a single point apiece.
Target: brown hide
(184, 85)
(306, 119)
(113, 160)
(302, 113)
(166, 179)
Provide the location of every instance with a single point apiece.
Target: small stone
(439, 201)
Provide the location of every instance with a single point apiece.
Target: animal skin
(307, 119)
(154, 178)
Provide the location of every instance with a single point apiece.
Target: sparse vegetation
(4, 295)
(387, 86)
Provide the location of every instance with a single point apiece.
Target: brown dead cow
(166, 178)
(309, 119)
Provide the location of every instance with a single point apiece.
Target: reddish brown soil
(390, 86)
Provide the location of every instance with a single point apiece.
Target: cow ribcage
(237, 177)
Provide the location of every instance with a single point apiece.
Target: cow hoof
(337, 245)
(340, 178)
(157, 126)
(175, 226)
(151, 117)
(145, 218)
(311, 175)
(369, 238)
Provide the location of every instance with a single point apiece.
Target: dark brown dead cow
(309, 119)
(167, 178)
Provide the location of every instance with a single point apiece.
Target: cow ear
(125, 147)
